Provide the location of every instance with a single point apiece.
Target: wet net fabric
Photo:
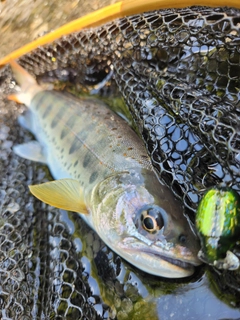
(178, 71)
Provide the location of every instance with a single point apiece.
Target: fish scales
(91, 135)
(103, 172)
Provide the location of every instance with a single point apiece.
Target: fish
(103, 172)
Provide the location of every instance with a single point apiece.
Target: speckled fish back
(85, 138)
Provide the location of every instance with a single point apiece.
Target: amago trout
(106, 176)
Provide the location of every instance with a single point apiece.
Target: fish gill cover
(178, 71)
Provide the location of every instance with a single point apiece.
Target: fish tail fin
(21, 75)
(29, 86)
(17, 97)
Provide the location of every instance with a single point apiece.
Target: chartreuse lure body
(106, 176)
(218, 226)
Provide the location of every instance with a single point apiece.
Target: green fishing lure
(218, 226)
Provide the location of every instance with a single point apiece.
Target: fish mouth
(182, 258)
(169, 262)
(174, 261)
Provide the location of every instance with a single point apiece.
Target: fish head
(139, 218)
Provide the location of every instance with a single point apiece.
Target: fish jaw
(118, 201)
(159, 259)
(165, 262)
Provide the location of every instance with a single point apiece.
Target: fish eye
(152, 220)
(182, 239)
(150, 224)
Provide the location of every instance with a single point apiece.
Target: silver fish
(105, 174)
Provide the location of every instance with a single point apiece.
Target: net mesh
(178, 71)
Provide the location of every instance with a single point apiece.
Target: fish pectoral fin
(31, 150)
(64, 194)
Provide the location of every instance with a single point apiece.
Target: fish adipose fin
(64, 194)
(31, 151)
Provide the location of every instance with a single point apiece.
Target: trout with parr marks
(105, 174)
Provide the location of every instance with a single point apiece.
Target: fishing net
(178, 72)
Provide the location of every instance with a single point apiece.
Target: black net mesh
(178, 71)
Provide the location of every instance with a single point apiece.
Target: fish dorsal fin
(64, 194)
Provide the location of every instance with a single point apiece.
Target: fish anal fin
(64, 194)
(31, 150)
(25, 121)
